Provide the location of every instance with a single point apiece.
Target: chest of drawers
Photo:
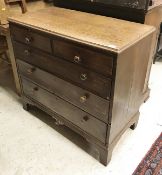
(76, 69)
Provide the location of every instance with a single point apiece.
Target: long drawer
(31, 38)
(83, 120)
(85, 100)
(78, 75)
(87, 57)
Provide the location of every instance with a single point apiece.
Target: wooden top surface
(104, 32)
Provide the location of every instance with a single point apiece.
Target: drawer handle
(27, 52)
(35, 89)
(59, 123)
(28, 40)
(77, 59)
(31, 70)
(83, 77)
(85, 119)
(83, 99)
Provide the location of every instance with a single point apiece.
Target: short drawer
(75, 74)
(96, 61)
(73, 114)
(85, 100)
(31, 38)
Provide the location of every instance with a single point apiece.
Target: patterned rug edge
(143, 162)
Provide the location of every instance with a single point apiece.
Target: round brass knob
(77, 59)
(31, 70)
(83, 77)
(83, 99)
(27, 52)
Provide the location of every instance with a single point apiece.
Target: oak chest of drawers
(76, 69)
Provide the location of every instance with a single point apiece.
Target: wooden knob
(83, 77)
(31, 70)
(83, 99)
(35, 89)
(77, 59)
(27, 52)
(85, 119)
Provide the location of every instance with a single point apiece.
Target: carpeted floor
(152, 162)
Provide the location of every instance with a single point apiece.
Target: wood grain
(87, 28)
(89, 124)
(53, 82)
(96, 83)
(94, 105)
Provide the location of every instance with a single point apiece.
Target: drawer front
(73, 114)
(31, 38)
(85, 100)
(75, 74)
(98, 62)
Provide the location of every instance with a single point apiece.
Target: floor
(30, 143)
(30, 146)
